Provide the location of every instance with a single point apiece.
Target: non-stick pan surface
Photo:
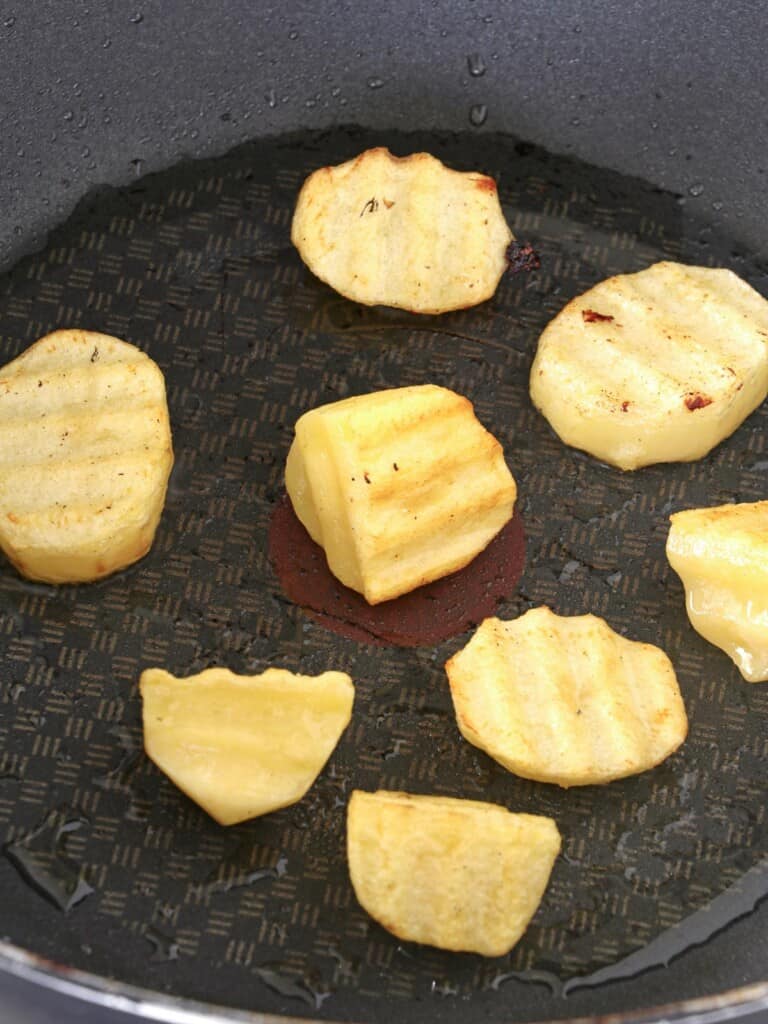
(195, 267)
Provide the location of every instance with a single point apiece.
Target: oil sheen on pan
(195, 267)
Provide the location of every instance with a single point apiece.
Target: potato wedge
(721, 556)
(242, 746)
(399, 487)
(658, 366)
(458, 874)
(85, 456)
(406, 232)
(566, 699)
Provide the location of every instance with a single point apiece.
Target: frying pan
(654, 114)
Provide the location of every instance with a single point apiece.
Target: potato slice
(658, 366)
(242, 746)
(406, 232)
(566, 700)
(721, 556)
(399, 487)
(458, 874)
(85, 456)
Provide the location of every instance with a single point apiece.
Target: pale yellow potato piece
(566, 699)
(679, 363)
(242, 746)
(399, 487)
(85, 456)
(406, 232)
(721, 556)
(459, 874)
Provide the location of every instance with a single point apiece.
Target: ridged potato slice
(658, 366)
(721, 556)
(400, 487)
(459, 874)
(85, 456)
(566, 699)
(242, 746)
(406, 232)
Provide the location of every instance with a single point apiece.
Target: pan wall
(100, 93)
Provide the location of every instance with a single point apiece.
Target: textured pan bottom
(195, 267)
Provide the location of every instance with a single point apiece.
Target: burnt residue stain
(522, 258)
(428, 615)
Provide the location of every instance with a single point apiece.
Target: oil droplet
(478, 114)
(165, 947)
(286, 986)
(293, 34)
(696, 190)
(375, 83)
(41, 860)
(443, 988)
(242, 879)
(476, 65)
(717, 206)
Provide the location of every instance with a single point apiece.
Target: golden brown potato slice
(721, 556)
(458, 874)
(406, 232)
(658, 366)
(85, 456)
(399, 487)
(566, 699)
(242, 746)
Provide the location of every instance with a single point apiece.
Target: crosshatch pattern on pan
(195, 267)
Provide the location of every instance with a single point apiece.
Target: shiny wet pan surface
(196, 268)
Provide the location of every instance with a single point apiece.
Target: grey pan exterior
(673, 92)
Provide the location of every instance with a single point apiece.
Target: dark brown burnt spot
(590, 316)
(694, 402)
(625, 406)
(521, 256)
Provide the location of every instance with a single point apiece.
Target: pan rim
(147, 1004)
